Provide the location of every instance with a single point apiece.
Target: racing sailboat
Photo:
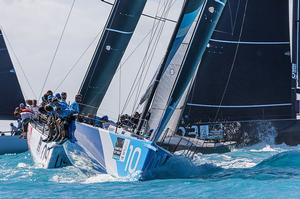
(255, 89)
(117, 33)
(11, 96)
(125, 150)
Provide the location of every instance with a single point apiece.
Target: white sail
(167, 81)
(173, 123)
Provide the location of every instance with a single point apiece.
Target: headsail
(11, 94)
(116, 35)
(166, 75)
(245, 73)
(191, 60)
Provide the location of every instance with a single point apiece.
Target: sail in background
(294, 45)
(10, 90)
(245, 73)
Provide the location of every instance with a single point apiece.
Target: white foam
(63, 179)
(224, 161)
(22, 165)
(267, 148)
(100, 178)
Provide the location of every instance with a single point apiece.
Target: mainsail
(245, 73)
(11, 94)
(189, 62)
(116, 35)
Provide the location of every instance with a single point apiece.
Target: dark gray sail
(114, 40)
(294, 38)
(11, 94)
(245, 73)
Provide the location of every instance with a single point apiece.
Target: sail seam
(251, 42)
(239, 106)
(234, 60)
(220, 2)
(119, 31)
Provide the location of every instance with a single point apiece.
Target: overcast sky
(33, 28)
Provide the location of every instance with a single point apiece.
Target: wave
(261, 161)
(182, 167)
(288, 159)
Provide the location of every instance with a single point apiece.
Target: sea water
(260, 171)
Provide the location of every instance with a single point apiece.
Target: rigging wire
(73, 66)
(19, 63)
(140, 72)
(133, 87)
(233, 63)
(57, 47)
(146, 15)
(156, 35)
(154, 50)
(158, 18)
(77, 61)
(150, 59)
(120, 92)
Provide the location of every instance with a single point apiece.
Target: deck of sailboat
(178, 143)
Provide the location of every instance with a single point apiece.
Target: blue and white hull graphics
(46, 155)
(114, 152)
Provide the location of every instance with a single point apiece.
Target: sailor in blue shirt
(64, 98)
(75, 105)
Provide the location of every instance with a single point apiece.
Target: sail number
(133, 159)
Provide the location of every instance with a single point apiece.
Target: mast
(114, 40)
(188, 14)
(197, 45)
(10, 89)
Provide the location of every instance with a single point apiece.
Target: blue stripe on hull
(88, 140)
(113, 153)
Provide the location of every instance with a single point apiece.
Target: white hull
(46, 155)
(12, 144)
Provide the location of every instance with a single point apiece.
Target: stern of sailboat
(47, 155)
